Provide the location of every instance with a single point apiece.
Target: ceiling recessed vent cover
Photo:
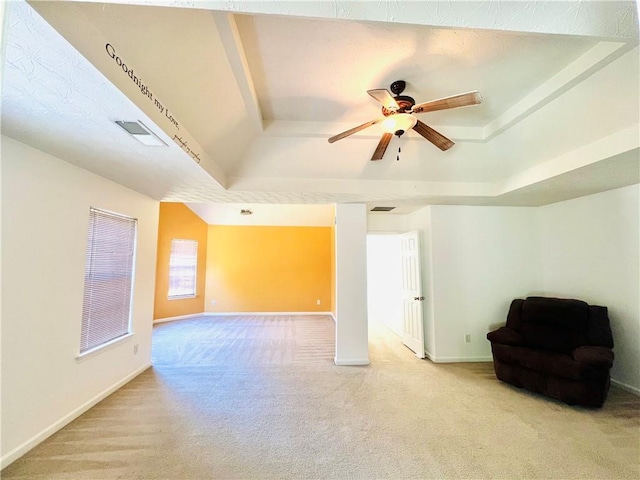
(140, 132)
(382, 209)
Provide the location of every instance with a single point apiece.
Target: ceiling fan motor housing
(398, 87)
(404, 103)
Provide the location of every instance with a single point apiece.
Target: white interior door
(412, 298)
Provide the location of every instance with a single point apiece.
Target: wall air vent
(140, 132)
(382, 209)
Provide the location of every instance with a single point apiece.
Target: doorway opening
(394, 289)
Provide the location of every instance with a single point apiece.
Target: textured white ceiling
(336, 62)
(606, 19)
(556, 109)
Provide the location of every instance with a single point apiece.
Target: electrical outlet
(213, 303)
(318, 302)
(135, 349)
(467, 338)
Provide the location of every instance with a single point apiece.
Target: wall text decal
(145, 90)
(184, 144)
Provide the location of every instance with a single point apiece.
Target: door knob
(418, 298)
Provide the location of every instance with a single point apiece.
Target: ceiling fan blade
(384, 98)
(454, 101)
(382, 146)
(439, 140)
(346, 133)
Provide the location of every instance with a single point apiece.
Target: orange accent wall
(178, 221)
(269, 269)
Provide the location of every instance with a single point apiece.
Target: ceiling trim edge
(600, 150)
(230, 37)
(595, 59)
(615, 144)
(614, 20)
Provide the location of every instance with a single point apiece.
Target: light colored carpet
(260, 398)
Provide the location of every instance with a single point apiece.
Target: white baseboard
(351, 361)
(180, 317)
(227, 314)
(624, 386)
(20, 450)
(436, 359)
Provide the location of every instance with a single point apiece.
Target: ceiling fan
(398, 116)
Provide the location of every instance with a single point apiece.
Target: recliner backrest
(599, 328)
(559, 324)
(514, 317)
(554, 324)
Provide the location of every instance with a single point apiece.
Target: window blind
(183, 265)
(108, 278)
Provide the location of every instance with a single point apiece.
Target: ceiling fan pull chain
(398, 156)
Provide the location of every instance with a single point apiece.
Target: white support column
(352, 335)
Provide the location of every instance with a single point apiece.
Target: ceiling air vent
(141, 132)
(382, 209)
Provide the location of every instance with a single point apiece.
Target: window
(108, 278)
(183, 265)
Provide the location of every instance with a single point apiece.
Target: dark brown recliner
(557, 347)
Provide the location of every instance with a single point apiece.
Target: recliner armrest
(505, 336)
(594, 355)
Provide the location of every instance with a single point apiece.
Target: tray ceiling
(257, 89)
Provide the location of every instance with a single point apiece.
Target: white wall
(384, 281)
(45, 212)
(590, 248)
(351, 285)
(382, 222)
(476, 260)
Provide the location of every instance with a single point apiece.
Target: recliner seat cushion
(548, 363)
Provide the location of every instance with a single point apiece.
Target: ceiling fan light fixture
(397, 116)
(398, 124)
